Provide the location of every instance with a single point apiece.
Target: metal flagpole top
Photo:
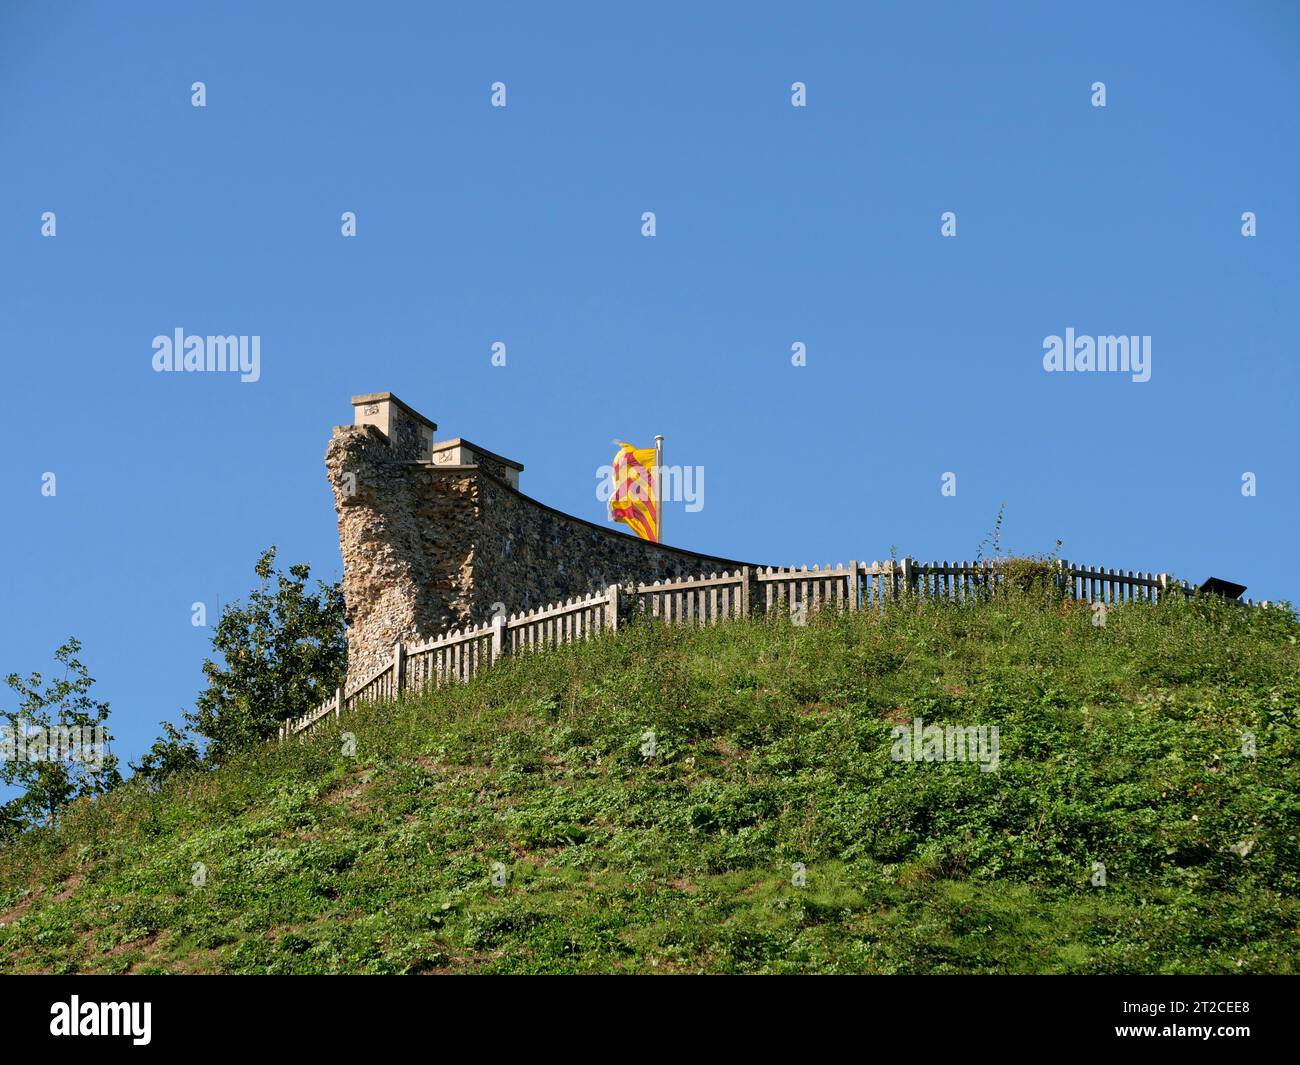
(659, 488)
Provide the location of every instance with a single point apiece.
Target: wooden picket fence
(461, 654)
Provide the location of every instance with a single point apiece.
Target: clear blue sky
(522, 224)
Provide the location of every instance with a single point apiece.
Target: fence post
(744, 591)
(853, 585)
(908, 575)
(1063, 578)
(611, 610)
(399, 668)
(498, 633)
(1163, 579)
(338, 701)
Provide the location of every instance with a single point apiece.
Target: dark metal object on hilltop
(1218, 586)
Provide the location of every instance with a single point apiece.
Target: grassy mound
(1119, 747)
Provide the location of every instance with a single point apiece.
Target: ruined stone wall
(530, 555)
(427, 548)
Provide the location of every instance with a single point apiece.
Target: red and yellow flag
(635, 501)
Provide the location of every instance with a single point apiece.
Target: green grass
(1120, 745)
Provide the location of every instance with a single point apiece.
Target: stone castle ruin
(448, 565)
(436, 535)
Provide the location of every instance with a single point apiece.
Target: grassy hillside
(1120, 745)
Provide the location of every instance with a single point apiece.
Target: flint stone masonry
(462, 453)
(433, 535)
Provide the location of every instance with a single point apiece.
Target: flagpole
(659, 483)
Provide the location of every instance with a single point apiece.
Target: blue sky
(522, 224)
